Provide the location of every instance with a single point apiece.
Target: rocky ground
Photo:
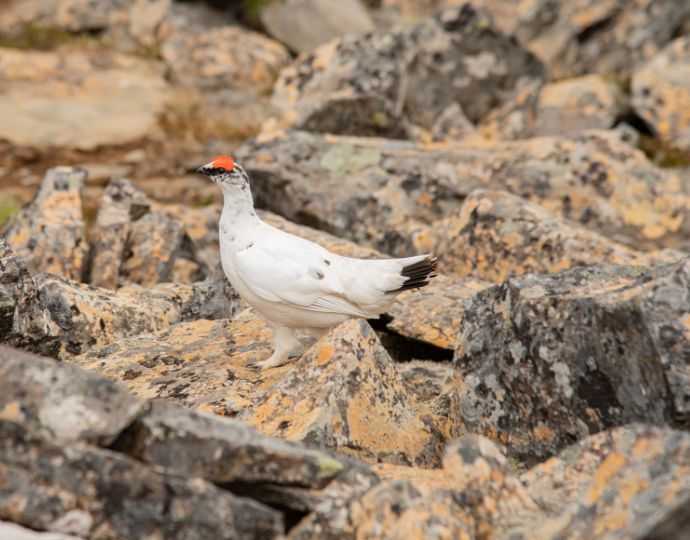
(538, 389)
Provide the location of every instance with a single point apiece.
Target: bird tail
(418, 273)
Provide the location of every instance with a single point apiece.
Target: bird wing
(294, 271)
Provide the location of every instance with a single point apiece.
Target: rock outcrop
(391, 83)
(543, 361)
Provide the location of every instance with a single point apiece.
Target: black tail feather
(418, 274)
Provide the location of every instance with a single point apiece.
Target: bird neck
(238, 208)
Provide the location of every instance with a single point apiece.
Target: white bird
(294, 283)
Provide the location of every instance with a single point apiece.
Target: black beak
(204, 170)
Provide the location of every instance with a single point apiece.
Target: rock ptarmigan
(294, 283)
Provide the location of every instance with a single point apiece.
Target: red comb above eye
(224, 162)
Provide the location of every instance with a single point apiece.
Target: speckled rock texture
(391, 194)
(661, 93)
(496, 234)
(132, 23)
(16, 532)
(574, 105)
(584, 36)
(49, 233)
(393, 83)
(24, 320)
(346, 393)
(543, 361)
(91, 317)
(62, 403)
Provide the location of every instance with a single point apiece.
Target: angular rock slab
(661, 93)
(91, 317)
(60, 402)
(584, 36)
(305, 24)
(122, 202)
(578, 104)
(391, 194)
(545, 360)
(496, 234)
(631, 482)
(86, 491)
(49, 233)
(433, 314)
(345, 393)
(201, 364)
(78, 100)
(383, 83)
(24, 320)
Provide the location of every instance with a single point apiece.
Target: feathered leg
(284, 341)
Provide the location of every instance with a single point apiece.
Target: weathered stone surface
(661, 93)
(12, 531)
(391, 194)
(428, 380)
(122, 202)
(631, 482)
(203, 365)
(583, 36)
(222, 450)
(82, 490)
(62, 403)
(91, 317)
(224, 58)
(305, 24)
(131, 22)
(345, 393)
(381, 83)
(544, 361)
(214, 298)
(49, 233)
(578, 104)
(153, 244)
(432, 314)
(495, 234)
(24, 320)
(77, 99)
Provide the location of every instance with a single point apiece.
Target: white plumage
(295, 283)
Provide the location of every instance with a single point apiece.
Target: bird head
(225, 172)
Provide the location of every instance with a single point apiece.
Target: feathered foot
(285, 343)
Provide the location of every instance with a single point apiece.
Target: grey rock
(391, 195)
(305, 24)
(49, 233)
(24, 320)
(91, 317)
(82, 490)
(122, 202)
(544, 361)
(62, 403)
(384, 83)
(223, 451)
(212, 299)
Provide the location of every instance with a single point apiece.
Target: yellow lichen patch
(12, 412)
(613, 463)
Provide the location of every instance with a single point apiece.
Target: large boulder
(575, 37)
(546, 360)
(131, 24)
(391, 83)
(496, 234)
(49, 233)
(24, 320)
(661, 93)
(305, 24)
(577, 104)
(345, 393)
(78, 99)
(392, 194)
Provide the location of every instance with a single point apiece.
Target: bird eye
(221, 170)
